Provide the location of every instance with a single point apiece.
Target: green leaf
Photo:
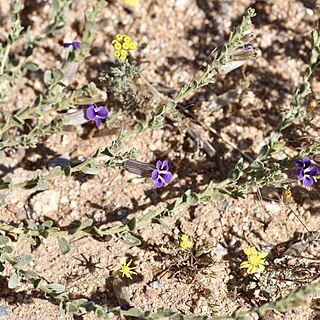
(2, 199)
(56, 288)
(22, 259)
(4, 240)
(234, 175)
(28, 274)
(32, 241)
(31, 66)
(71, 307)
(127, 238)
(85, 224)
(193, 199)
(91, 170)
(47, 224)
(64, 245)
(100, 313)
(67, 171)
(132, 224)
(47, 78)
(7, 249)
(13, 281)
(37, 283)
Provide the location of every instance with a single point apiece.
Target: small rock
(64, 200)
(46, 202)
(59, 162)
(73, 204)
(156, 284)
(221, 250)
(4, 312)
(273, 207)
(122, 213)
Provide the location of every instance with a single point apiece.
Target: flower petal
(98, 122)
(76, 44)
(159, 165)
(300, 174)
(102, 112)
(165, 166)
(155, 174)
(247, 251)
(262, 255)
(158, 182)
(248, 46)
(299, 163)
(261, 267)
(245, 264)
(311, 171)
(307, 181)
(254, 251)
(253, 269)
(167, 177)
(67, 44)
(306, 162)
(90, 112)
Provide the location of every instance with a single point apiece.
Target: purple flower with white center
(161, 175)
(97, 114)
(306, 171)
(75, 44)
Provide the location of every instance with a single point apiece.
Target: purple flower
(97, 114)
(306, 171)
(248, 46)
(75, 44)
(161, 174)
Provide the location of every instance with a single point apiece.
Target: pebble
(272, 208)
(221, 250)
(64, 200)
(4, 312)
(156, 284)
(61, 162)
(122, 213)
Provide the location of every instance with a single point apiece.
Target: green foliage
(120, 82)
(47, 115)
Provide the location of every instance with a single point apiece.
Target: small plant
(59, 105)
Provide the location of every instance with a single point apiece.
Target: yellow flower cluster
(122, 43)
(133, 3)
(255, 261)
(185, 243)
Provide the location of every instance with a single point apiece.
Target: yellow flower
(185, 243)
(116, 54)
(255, 261)
(119, 37)
(133, 3)
(126, 45)
(127, 39)
(126, 270)
(116, 45)
(132, 46)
